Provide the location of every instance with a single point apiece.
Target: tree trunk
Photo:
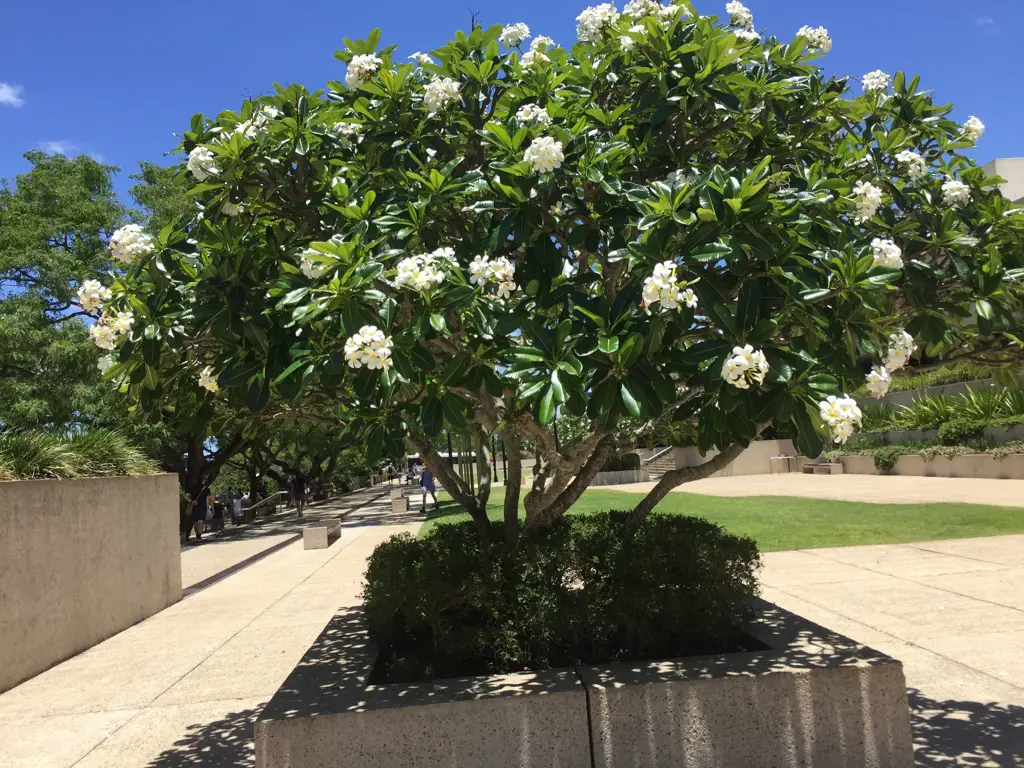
(513, 483)
(452, 483)
(483, 467)
(676, 478)
(544, 517)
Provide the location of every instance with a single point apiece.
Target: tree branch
(513, 482)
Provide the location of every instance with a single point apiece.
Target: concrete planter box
(81, 560)
(980, 465)
(621, 478)
(813, 698)
(755, 460)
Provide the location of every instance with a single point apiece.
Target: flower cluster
(534, 58)
(955, 193)
(592, 24)
(361, 68)
(421, 58)
(869, 197)
(817, 37)
(500, 270)
(542, 40)
(201, 163)
(747, 365)
(514, 34)
(875, 81)
(108, 330)
(887, 253)
(640, 9)
(532, 113)
(231, 209)
(627, 43)
(664, 287)
(544, 154)
(878, 381)
(91, 295)
(422, 272)
(346, 130)
(369, 347)
(974, 129)
(256, 124)
(310, 267)
(130, 243)
(741, 17)
(901, 347)
(208, 379)
(842, 415)
(104, 363)
(916, 166)
(439, 92)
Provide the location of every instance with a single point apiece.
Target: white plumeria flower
(640, 8)
(878, 381)
(534, 59)
(104, 363)
(544, 154)
(901, 347)
(130, 243)
(310, 267)
(532, 113)
(505, 290)
(915, 165)
(875, 81)
(542, 42)
(422, 272)
(842, 415)
(627, 43)
(974, 129)
(438, 93)
(568, 270)
(103, 335)
(91, 295)
(231, 209)
(749, 35)
(955, 193)
(362, 67)
(663, 287)
(592, 24)
(746, 366)
(369, 347)
(514, 34)
(208, 379)
(346, 130)
(887, 253)
(479, 270)
(201, 163)
(869, 198)
(421, 58)
(739, 14)
(817, 37)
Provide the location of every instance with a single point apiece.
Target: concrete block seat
(812, 699)
(322, 534)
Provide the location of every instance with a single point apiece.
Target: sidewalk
(183, 687)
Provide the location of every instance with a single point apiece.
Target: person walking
(427, 484)
(299, 491)
(199, 499)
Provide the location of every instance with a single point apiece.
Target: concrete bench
(321, 535)
(397, 493)
(823, 469)
(399, 505)
(779, 465)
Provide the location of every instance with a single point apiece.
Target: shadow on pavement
(224, 743)
(966, 733)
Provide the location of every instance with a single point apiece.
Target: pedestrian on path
(199, 499)
(299, 491)
(427, 484)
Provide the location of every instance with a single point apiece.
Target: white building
(1012, 170)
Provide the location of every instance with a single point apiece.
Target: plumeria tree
(675, 217)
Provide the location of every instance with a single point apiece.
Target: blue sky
(115, 78)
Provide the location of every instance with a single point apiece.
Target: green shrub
(959, 431)
(621, 462)
(887, 455)
(93, 453)
(449, 604)
(949, 375)
(878, 417)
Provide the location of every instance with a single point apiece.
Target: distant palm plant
(981, 405)
(93, 453)
(1012, 403)
(878, 417)
(928, 412)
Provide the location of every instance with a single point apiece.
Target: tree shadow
(224, 743)
(966, 733)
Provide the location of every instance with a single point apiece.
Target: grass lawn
(780, 523)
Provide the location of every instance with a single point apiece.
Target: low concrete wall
(81, 560)
(812, 698)
(755, 460)
(980, 465)
(995, 435)
(621, 478)
(956, 389)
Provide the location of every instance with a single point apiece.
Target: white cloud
(57, 147)
(10, 95)
(984, 21)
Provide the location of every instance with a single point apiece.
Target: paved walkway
(881, 489)
(951, 611)
(182, 688)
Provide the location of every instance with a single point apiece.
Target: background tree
(676, 216)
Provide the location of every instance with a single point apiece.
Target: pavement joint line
(932, 586)
(919, 545)
(911, 643)
(248, 624)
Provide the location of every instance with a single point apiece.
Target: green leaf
(556, 388)
(438, 323)
(629, 399)
(748, 305)
(808, 441)
(608, 344)
(259, 394)
(546, 406)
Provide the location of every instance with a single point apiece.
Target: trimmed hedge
(622, 462)
(449, 604)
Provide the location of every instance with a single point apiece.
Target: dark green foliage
(93, 453)
(449, 604)
(960, 431)
(621, 462)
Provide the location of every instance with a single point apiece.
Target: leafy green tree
(675, 216)
(163, 193)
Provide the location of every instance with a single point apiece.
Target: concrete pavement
(951, 611)
(880, 489)
(183, 687)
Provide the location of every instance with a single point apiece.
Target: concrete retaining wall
(956, 389)
(755, 460)
(981, 465)
(812, 698)
(81, 560)
(621, 478)
(995, 435)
